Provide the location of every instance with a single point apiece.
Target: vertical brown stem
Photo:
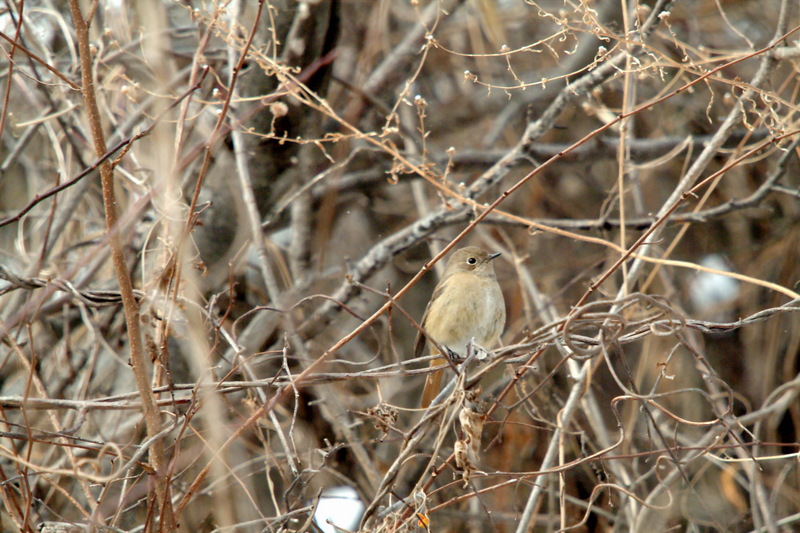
(138, 362)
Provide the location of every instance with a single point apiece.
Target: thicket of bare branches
(218, 220)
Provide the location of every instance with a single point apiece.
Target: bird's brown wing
(433, 381)
(419, 343)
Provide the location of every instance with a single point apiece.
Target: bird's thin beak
(494, 255)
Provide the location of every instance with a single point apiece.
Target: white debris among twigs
(709, 291)
(339, 509)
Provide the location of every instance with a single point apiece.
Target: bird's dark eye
(472, 260)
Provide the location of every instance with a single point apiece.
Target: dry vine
(221, 222)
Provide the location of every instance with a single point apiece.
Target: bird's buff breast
(467, 308)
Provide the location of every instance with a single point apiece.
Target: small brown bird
(467, 306)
